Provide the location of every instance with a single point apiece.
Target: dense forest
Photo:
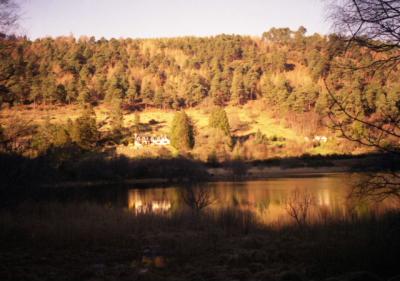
(283, 67)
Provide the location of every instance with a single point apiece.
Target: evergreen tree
(132, 94)
(50, 135)
(116, 116)
(147, 92)
(219, 120)
(114, 89)
(182, 134)
(84, 131)
(159, 98)
(195, 89)
(43, 137)
(250, 83)
(71, 91)
(35, 92)
(84, 96)
(219, 89)
(49, 89)
(100, 85)
(238, 91)
(137, 126)
(61, 93)
(61, 136)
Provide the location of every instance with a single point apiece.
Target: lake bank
(216, 175)
(100, 170)
(262, 173)
(246, 171)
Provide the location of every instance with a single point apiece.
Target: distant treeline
(72, 164)
(286, 68)
(19, 172)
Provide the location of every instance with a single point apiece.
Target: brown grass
(70, 239)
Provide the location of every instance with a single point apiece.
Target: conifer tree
(219, 120)
(116, 115)
(71, 91)
(114, 89)
(219, 88)
(137, 126)
(182, 134)
(35, 92)
(238, 91)
(49, 89)
(84, 130)
(147, 92)
(99, 85)
(159, 98)
(84, 96)
(132, 92)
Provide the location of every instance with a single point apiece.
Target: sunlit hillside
(282, 138)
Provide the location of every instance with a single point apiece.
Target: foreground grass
(83, 241)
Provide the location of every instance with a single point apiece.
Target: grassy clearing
(245, 122)
(250, 114)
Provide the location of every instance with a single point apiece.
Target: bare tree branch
(9, 15)
(197, 197)
(372, 25)
(298, 206)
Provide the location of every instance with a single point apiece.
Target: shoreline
(216, 175)
(265, 173)
(247, 171)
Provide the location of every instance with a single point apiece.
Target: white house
(141, 141)
(322, 139)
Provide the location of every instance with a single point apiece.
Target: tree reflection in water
(267, 200)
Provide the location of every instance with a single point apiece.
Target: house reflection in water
(265, 199)
(156, 207)
(152, 201)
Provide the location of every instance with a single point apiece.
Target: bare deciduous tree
(9, 15)
(373, 25)
(378, 186)
(197, 197)
(298, 205)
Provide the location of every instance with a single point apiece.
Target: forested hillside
(283, 67)
(274, 89)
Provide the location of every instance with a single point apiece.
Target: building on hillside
(143, 140)
(321, 139)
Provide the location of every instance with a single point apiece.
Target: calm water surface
(266, 199)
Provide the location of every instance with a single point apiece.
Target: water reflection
(155, 200)
(266, 199)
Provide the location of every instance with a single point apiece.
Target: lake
(268, 200)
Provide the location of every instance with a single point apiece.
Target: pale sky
(168, 18)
